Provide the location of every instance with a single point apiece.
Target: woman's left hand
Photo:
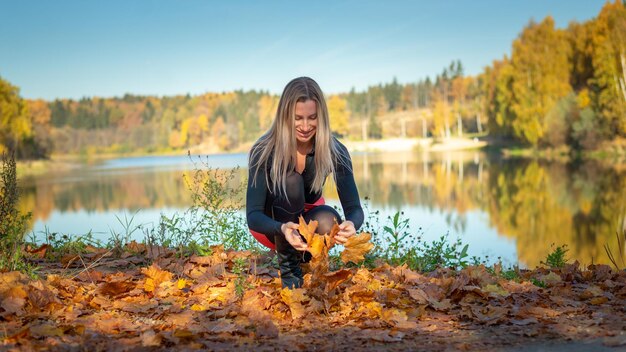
(346, 230)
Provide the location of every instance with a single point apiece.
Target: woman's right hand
(290, 230)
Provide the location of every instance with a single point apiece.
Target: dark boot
(289, 260)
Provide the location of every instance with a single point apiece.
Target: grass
(619, 262)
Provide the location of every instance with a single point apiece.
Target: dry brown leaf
(115, 288)
(551, 279)
(13, 305)
(335, 278)
(149, 338)
(46, 330)
(356, 247)
(418, 295)
(39, 252)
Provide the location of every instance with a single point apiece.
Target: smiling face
(305, 121)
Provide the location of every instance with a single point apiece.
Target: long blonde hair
(277, 147)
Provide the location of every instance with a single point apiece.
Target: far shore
(67, 162)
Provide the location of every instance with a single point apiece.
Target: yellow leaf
(155, 277)
(293, 299)
(196, 307)
(149, 285)
(496, 290)
(356, 247)
(181, 284)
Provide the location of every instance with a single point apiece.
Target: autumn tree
(15, 124)
(540, 77)
(39, 145)
(339, 115)
(608, 39)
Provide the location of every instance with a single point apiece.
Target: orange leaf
(317, 245)
(155, 277)
(39, 252)
(335, 279)
(294, 298)
(356, 247)
(307, 230)
(115, 288)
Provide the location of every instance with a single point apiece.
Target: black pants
(289, 208)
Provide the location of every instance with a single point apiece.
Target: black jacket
(260, 197)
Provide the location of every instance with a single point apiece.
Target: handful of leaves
(355, 248)
(318, 245)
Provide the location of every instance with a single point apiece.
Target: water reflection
(524, 204)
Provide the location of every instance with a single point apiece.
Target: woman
(288, 166)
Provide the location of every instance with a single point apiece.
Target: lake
(509, 208)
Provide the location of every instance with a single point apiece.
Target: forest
(560, 88)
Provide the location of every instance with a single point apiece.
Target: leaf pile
(192, 304)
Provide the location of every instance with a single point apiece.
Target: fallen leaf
(39, 252)
(155, 276)
(496, 290)
(45, 330)
(418, 295)
(335, 278)
(115, 288)
(293, 298)
(13, 305)
(551, 279)
(149, 338)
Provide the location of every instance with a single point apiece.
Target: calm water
(514, 209)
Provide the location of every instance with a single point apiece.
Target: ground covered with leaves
(148, 298)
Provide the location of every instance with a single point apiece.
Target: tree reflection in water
(534, 203)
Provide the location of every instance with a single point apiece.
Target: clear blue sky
(71, 49)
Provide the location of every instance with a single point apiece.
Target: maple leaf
(307, 230)
(293, 298)
(356, 247)
(155, 277)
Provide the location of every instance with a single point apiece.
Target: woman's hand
(346, 230)
(290, 230)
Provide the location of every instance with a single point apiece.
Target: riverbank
(408, 144)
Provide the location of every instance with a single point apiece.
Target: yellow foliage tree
(541, 77)
(14, 122)
(339, 114)
(267, 110)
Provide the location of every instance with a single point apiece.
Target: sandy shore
(404, 144)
